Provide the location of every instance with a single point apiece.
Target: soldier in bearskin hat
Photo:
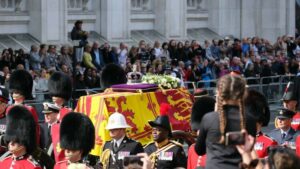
(257, 108)
(4, 98)
(163, 152)
(112, 74)
(20, 135)
(60, 89)
(203, 105)
(76, 140)
(20, 86)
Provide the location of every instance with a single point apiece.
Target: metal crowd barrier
(271, 86)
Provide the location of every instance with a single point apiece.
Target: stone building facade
(49, 21)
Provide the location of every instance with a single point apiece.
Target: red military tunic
(298, 145)
(194, 160)
(296, 121)
(59, 154)
(64, 165)
(263, 142)
(22, 162)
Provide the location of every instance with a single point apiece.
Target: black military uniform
(170, 155)
(117, 154)
(46, 140)
(166, 154)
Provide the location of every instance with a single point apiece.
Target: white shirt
(119, 141)
(285, 132)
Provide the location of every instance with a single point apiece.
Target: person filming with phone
(221, 130)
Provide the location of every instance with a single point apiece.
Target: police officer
(284, 134)
(120, 146)
(50, 113)
(164, 153)
(20, 135)
(4, 98)
(257, 107)
(290, 102)
(77, 138)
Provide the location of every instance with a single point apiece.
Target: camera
(132, 161)
(235, 138)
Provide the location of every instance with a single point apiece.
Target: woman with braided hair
(228, 116)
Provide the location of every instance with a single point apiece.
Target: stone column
(115, 20)
(48, 20)
(170, 18)
(290, 17)
(224, 17)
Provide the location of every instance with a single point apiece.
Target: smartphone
(132, 161)
(235, 138)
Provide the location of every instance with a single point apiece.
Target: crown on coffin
(134, 76)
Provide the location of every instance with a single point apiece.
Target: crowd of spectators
(188, 60)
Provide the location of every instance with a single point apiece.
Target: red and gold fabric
(138, 109)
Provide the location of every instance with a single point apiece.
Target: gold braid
(220, 110)
(242, 114)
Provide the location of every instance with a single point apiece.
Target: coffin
(138, 108)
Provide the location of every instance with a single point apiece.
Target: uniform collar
(286, 132)
(161, 144)
(259, 133)
(21, 157)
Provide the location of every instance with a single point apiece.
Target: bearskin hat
(21, 81)
(60, 85)
(112, 74)
(21, 128)
(257, 107)
(202, 105)
(77, 132)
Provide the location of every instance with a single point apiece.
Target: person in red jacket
(77, 138)
(20, 134)
(202, 105)
(290, 102)
(60, 89)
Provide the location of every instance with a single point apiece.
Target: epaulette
(33, 161)
(152, 142)
(270, 138)
(176, 143)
